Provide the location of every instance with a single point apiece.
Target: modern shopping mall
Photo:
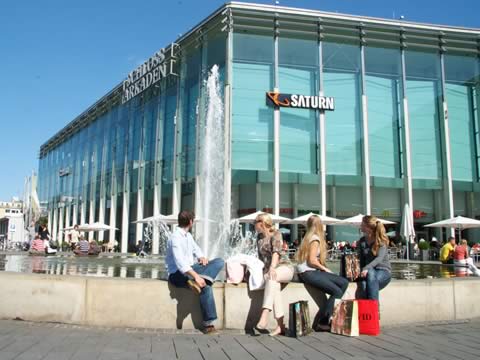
(323, 112)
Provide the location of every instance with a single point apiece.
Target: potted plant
(424, 248)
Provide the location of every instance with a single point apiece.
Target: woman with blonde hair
(276, 271)
(312, 269)
(373, 252)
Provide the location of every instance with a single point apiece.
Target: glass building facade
(405, 128)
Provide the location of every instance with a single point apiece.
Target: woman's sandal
(262, 330)
(277, 331)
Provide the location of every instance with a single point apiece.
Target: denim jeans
(208, 272)
(329, 283)
(375, 281)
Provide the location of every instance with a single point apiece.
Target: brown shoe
(210, 330)
(194, 286)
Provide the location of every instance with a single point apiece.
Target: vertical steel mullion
(446, 130)
(177, 176)
(228, 121)
(200, 125)
(126, 184)
(406, 134)
(366, 154)
(102, 202)
(276, 126)
(476, 120)
(321, 129)
(141, 173)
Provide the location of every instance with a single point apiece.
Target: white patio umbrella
(167, 219)
(407, 229)
(96, 226)
(326, 220)
(357, 221)
(251, 218)
(458, 222)
(171, 219)
(68, 228)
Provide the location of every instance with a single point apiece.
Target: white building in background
(12, 225)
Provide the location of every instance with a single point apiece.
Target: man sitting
(82, 247)
(188, 267)
(447, 251)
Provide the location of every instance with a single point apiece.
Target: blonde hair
(377, 228)
(267, 222)
(464, 242)
(314, 228)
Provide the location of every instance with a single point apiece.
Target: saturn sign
(300, 101)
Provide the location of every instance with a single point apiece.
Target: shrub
(423, 245)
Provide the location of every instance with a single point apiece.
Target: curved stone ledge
(156, 304)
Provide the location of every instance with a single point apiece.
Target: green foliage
(423, 245)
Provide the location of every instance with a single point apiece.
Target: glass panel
(343, 126)
(167, 151)
(252, 125)
(461, 76)
(189, 100)
(423, 91)
(383, 82)
(298, 127)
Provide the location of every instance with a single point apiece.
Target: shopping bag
(299, 319)
(345, 318)
(350, 266)
(368, 319)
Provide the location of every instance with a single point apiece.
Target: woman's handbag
(345, 318)
(350, 267)
(299, 319)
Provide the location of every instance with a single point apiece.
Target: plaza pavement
(21, 340)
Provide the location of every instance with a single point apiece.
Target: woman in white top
(312, 269)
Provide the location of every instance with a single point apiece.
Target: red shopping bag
(368, 319)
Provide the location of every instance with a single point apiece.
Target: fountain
(212, 227)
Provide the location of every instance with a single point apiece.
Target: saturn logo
(274, 96)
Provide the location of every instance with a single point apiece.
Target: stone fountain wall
(155, 304)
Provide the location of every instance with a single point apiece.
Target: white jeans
(472, 269)
(272, 299)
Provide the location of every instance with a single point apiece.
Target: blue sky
(58, 57)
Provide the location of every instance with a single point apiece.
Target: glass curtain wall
(252, 122)
(189, 102)
(166, 173)
(384, 88)
(343, 133)
(423, 88)
(461, 91)
(298, 74)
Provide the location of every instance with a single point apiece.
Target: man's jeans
(208, 272)
(376, 280)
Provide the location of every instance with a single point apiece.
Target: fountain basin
(149, 303)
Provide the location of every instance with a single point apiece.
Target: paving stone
(21, 340)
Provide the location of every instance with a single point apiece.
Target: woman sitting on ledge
(462, 260)
(313, 271)
(372, 250)
(38, 246)
(269, 246)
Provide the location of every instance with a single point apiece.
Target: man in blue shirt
(188, 267)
